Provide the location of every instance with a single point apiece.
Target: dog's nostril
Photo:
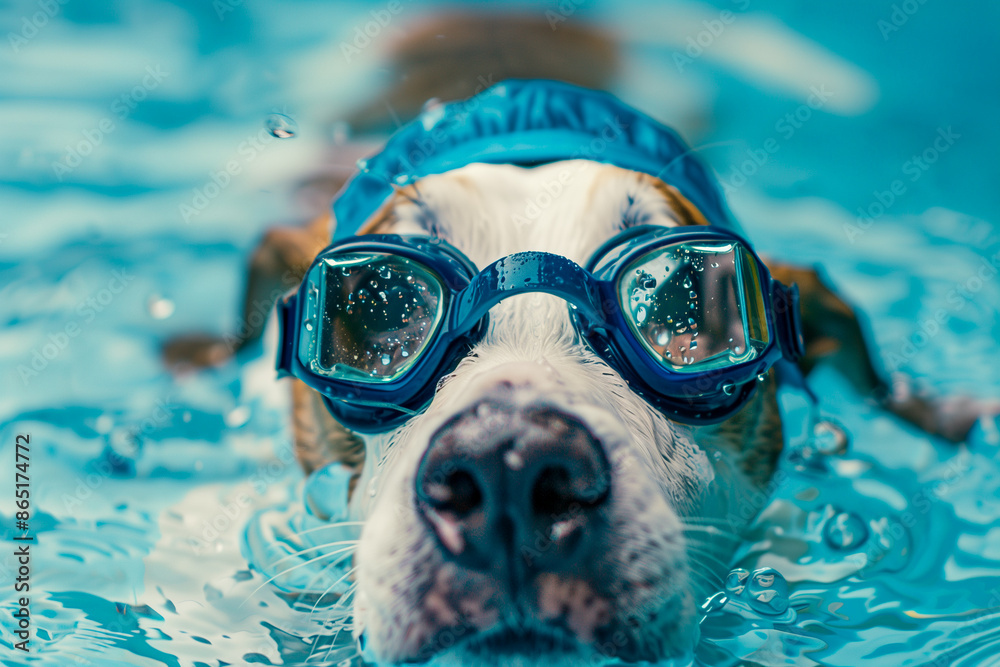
(459, 493)
(551, 495)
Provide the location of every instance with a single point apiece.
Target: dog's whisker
(701, 579)
(324, 571)
(342, 622)
(698, 520)
(304, 551)
(291, 569)
(313, 548)
(703, 553)
(702, 568)
(328, 526)
(714, 531)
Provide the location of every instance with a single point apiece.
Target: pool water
(152, 494)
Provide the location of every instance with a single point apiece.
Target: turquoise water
(144, 484)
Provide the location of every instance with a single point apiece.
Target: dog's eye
(379, 312)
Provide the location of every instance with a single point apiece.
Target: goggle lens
(696, 306)
(375, 314)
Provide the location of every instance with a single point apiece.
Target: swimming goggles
(688, 316)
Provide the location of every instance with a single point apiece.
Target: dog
(611, 559)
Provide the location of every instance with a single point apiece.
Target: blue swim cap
(527, 122)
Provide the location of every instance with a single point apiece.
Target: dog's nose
(527, 484)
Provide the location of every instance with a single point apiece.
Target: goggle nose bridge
(530, 272)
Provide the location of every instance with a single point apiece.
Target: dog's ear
(836, 333)
(686, 212)
(319, 438)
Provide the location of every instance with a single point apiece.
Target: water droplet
(308, 325)
(736, 581)
(385, 272)
(692, 294)
(404, 353)
(281, 126)
(345, 271)
(845, 531)
(159, 307)
(767, 591)
(737, 349)
(729, 388)
(640, 314)
(663, 337)
(386, 359)
(694, 344)
(761, 377)
(410, 279)
(829, 438)
(715, 265)
(373, 487)
(687, 283)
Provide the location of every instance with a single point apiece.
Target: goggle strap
(788, 320)
(286, 335)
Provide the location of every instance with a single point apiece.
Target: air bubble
(281, 126)
(767, 591)
(736, 581)
(845, 531)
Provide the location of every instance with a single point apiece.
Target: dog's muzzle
(514, 487)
